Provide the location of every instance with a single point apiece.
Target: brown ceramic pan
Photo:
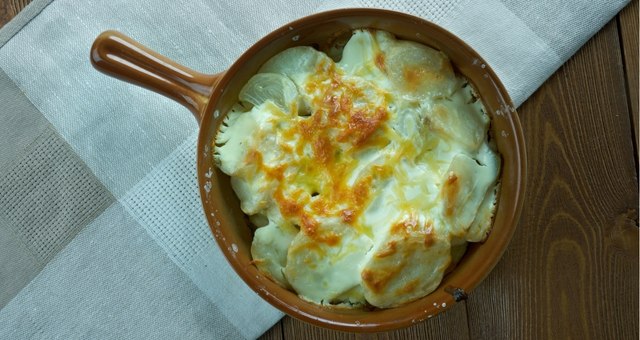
(209, 97)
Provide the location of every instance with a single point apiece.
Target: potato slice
(420, 71)
(271, 86)
(463, 192)
(406, 264)
(458, 120)
(297, 63)
(363, 56)
(324, 266)
(232, 141)
(269, 249)
(481, 225)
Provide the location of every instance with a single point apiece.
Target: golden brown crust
(450, 191)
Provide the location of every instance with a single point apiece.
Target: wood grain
(628, 25)
(274, 333)
(450, 325)
(571, 270)
(11, 8)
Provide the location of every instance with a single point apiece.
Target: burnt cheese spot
(450, 191)
(379, 61)
(415, 77)
(347, 216)
(288, 207)
(405, 227)
(255, 158)
(378, 279)
(332, 239)
(322, 149)
(362, 124)
(389, 249)
(409, 287)
(309, 225)
(411, 227)
(320, 207)
(429, 237)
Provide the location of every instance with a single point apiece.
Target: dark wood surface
(571, 270)
(11, 8)
(628, 32)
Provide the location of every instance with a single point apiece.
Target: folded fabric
(101, 230)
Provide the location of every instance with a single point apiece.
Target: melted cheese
(367, 173)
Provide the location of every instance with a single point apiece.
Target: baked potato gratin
(365, 177)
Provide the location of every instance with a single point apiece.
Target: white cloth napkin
(101, 230)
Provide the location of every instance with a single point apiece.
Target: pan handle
(119, 56)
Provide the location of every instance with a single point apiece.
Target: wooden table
(571, 270)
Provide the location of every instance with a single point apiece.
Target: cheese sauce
(361, 175)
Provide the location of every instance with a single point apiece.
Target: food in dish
(365, 177)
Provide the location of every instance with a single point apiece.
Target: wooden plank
(628, 25)
(5, 13)
(449, 325)
(571, 270)
(11, 8)
(274, 333)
